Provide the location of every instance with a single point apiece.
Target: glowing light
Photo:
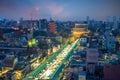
(105, 56)
(18, 74)
(33, 41)
(30, 43)
(48, 72)
(3, 72)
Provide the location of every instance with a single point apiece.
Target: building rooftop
(9, 61)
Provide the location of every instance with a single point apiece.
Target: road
(54, 63)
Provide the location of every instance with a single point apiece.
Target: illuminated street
(51, 67)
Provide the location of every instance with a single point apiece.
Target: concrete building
(9, 62)
(43, 24)
(118, 39)
(108, 42)
(112, 72)
(82, 75)
(83, 40)
(92, 60)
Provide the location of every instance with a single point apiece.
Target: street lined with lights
(53, 65)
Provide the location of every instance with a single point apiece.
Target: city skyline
(59, 9)
(59, 40)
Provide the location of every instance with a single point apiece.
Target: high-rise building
(108, 22)
(108, 18)
(115, 23)
(88, 19)
(119, 20)
(114, 18)
(1, 32)
(43, 24)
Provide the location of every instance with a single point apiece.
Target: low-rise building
(83, 40)
(9, 62)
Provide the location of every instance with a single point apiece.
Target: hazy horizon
(59, 9)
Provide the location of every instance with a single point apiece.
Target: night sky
(59, 9)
